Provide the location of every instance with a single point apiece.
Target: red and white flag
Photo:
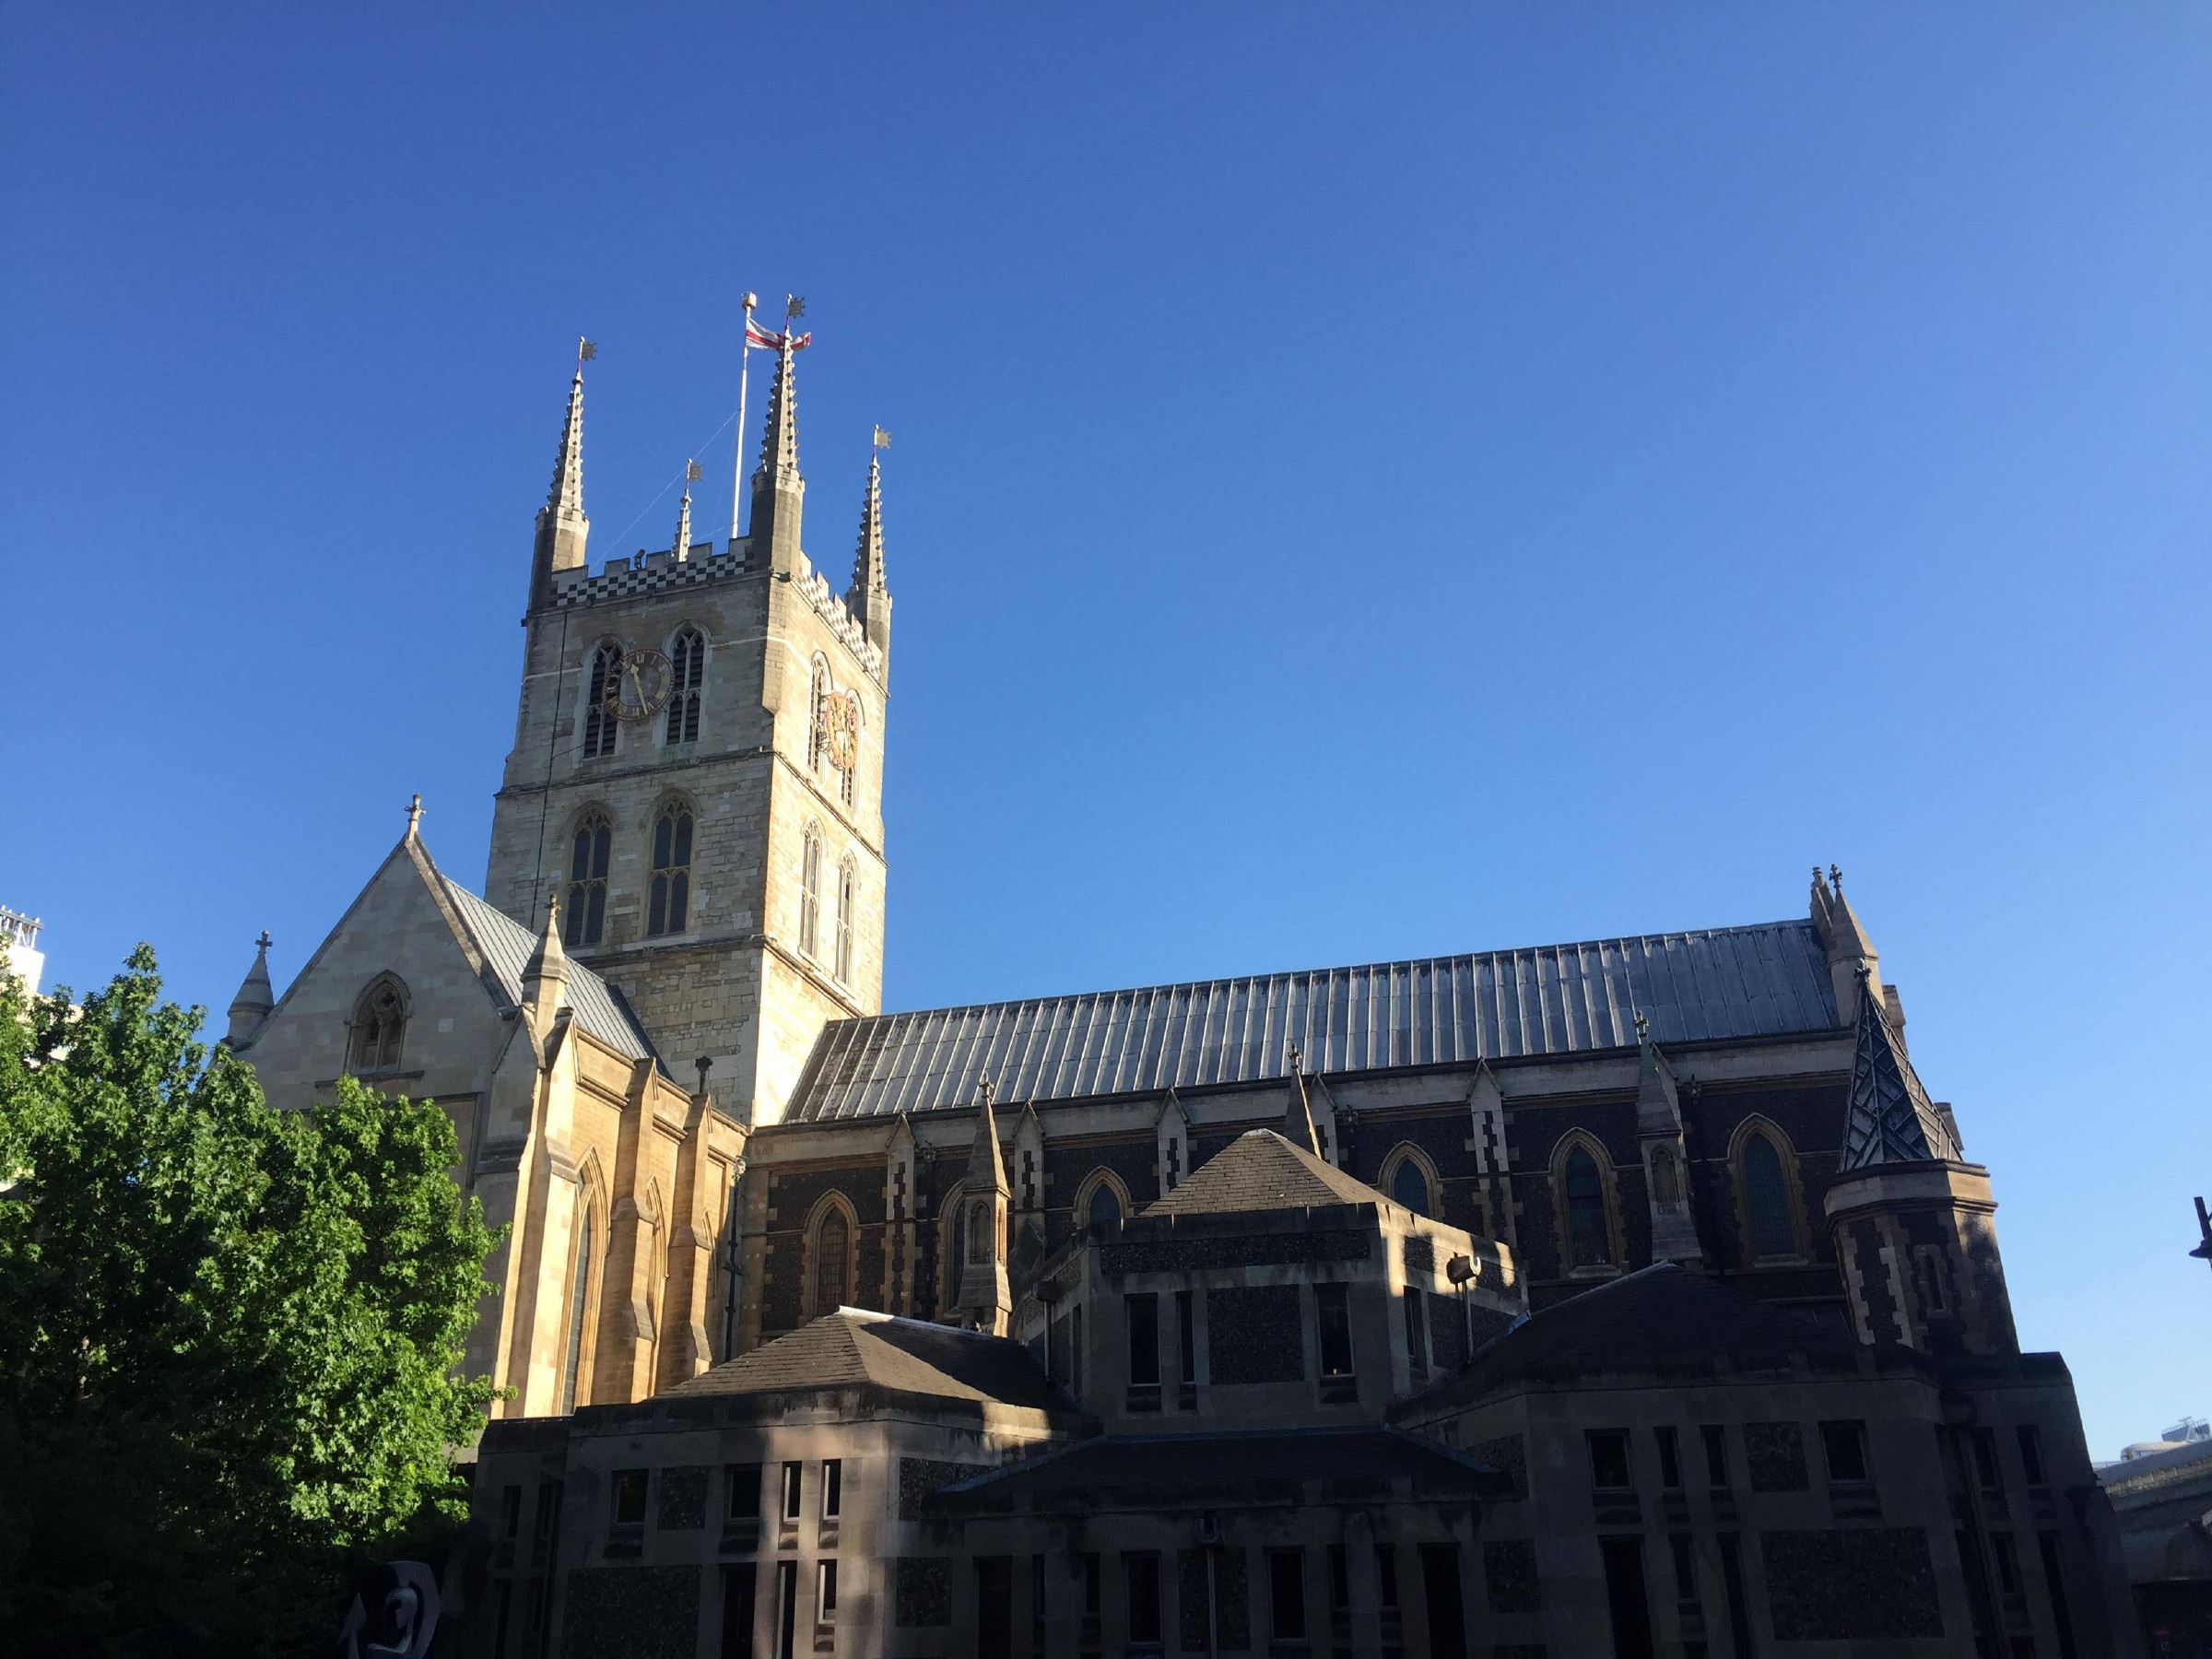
(757, 335)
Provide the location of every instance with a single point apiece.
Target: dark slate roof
(856, 1349)
(505, 945)
(1662, 1320)
(1557, 999)
(1261, 1171)
(1891, 1119)
(1192, 1470)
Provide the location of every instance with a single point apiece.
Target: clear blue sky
(1462, 477)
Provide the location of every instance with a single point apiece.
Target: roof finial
(1835, 881)
(1298, 1060)
(255, 997)
(415, 819)
(262, 944)
(683, 514)
(1643, 1026)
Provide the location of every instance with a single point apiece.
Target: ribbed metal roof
(1557, 999)
(506, 946)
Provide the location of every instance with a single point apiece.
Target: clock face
(841, 728)
(639, 686)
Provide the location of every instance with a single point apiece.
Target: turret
(562, 529)
(778, 493)
(1851, 955)
(1910, 1217)
(255, 998)
(985, 1299)
(868, 599)
(546, 974)
(1665, 1164)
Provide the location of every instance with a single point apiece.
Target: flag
(757, 335)
(883, 439)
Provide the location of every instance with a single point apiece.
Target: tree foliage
(229, 1336)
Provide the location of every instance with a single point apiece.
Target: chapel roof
(857, 1348)
(1261, 1171)
(1665, 1320)
(1708, 984)
(506, 947)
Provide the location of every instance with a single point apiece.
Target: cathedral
(1629, 1296)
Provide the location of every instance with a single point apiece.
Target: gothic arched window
(979, 1231)
(1587, 1233)
(810, 891)
(599, 726)
(688, 672)
(1410, 1187)
(671, 896)
(380, 1025)
(589, 854)
(1105, 1204)
(845, 882)
(1767, 1200)
(580, 1289)
(832, 1244)
(817, 723)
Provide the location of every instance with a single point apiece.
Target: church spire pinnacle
(562, 527)
(255, 997)
(869, 599)
(779, 492)
(546, 974)
(682, 549)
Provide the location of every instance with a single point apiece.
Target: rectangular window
(787, 1607)
(1091, 1587)
(1670, 1460)
(1686, 1569)
(1609, 1459)
(825, 1593)
(629, 1497)
(2031, 1452)
(1716, 1455)
(1985, 1460)
(1845, 1444)
(793, 1476)
(745, 1491)
(1037, 1605)
(1386, 1574)
(1417, 1336)
(1340, 1581)
(1731, 1579)
(1332, 1303)
(1075, 1383)
(1625, 1598)
(1287, 1593)
(511, 1512)
(1144, 1340)
(1142, 1572)
(502, 1618)
(737, 1612)
(2008, 1563)
(834, 1487)
(2056, 1581)
(1187, 1339)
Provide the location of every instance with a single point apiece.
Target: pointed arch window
(579, 1286)
(847, 880)
(979, 1231)
(1767, 1208)
(832, 1244)
(588, 854)
(1105, 1205)
(959, 1254)
(1410, 1187)
(817, 724)
(687, 675)
(1587, 1233)
(670, 904)
(810, 891)
(380, 1028)
(599, 726)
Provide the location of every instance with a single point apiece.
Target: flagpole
(745, 357)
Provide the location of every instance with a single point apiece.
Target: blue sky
(1460, 477)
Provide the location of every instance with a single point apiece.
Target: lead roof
(1713, 984)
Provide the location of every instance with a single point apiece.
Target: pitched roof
(856, 1349)
(1662, 1320)
(1710, 984)
(1890, 1118)
(1261, 1171)
(1196, 1469)
(506, 947)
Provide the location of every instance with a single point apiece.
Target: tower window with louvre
(599, 723)
(670, 901)
(589, 854)
(688, 672)
(810, 891)
(847, 880)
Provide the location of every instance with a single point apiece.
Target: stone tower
(698, 771)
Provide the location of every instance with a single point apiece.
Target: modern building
(1629, 1295)
(19, 952)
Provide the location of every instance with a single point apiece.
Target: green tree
(229, 1337)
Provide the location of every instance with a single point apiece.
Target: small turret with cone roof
(562, 529)
(255, 997)
(546, 974)
(779, 492)
(986, 1300)
(869, 598)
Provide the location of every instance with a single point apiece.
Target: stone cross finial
(264, 942)
(1298, 1060)
(1643, 1025)
(1835, 879)
(985, 1090)
(414, 817)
